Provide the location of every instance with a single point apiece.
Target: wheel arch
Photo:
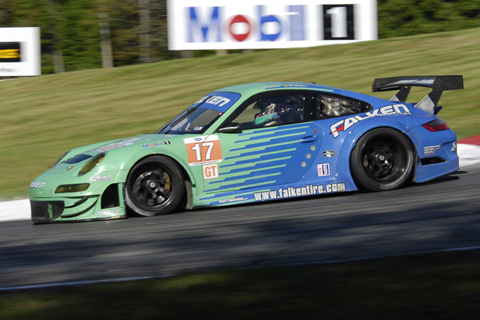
(188, 176)
(353, 136)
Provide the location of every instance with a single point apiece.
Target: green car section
(103, 197)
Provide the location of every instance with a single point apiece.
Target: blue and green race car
(257, 142)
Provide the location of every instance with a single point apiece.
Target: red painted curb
(471, 140)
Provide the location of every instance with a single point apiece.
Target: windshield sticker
(218, 101)
(280, 86)
(203, 150)
(343, 125)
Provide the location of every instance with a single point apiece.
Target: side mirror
(231, 128)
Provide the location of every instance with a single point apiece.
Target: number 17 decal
(203, 150)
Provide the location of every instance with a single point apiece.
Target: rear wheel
(383, 159)
(154, 186)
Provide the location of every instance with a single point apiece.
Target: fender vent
(110, 198)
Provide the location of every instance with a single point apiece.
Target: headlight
(72, 188)
(91, 164)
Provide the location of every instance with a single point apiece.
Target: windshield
(191, 121)
(201, 115)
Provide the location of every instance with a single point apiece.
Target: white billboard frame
(267, 24)
(20, 53)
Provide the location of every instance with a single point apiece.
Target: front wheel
(383, 159)
(154, 186)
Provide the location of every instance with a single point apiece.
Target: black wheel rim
(152, 188)
(383, 159)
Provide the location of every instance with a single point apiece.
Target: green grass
(42, 117)
(433, 286)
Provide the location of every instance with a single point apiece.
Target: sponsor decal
(36, 184)
(110, 212)
(291, 192)
(329, 153)
(232, 200)
(124, 143)
(203, 150)
(430, 150)
(70, 168)
(454, 147)
(210, 171)
(412, 82)
(345, 124)
(218, 101)
(323, 169)
(285, 86)
(156, 144)
(99, 177)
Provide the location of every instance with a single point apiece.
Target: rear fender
(352, 136)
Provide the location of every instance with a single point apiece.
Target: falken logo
(343, 125)
(218, 101)
(37, 184)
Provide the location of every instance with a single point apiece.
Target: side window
(328, 106)
(272, 110)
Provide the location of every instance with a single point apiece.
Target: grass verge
(430, 286)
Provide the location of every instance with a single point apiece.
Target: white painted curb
(20, 209)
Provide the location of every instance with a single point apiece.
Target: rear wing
(438, 84)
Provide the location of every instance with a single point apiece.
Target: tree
(144, 30)
(57, 54)
(105, 41)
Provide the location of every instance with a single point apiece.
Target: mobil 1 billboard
(262, 24)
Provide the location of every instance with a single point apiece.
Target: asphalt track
(443, 214)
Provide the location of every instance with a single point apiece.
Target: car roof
(251, 88)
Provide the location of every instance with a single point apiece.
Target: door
(275, 146)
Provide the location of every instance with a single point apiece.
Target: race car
(257, 142)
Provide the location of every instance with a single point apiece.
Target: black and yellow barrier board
(10, 52)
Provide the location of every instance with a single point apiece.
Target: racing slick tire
(154, 186)
(383, 159)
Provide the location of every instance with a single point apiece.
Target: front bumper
(109, 205)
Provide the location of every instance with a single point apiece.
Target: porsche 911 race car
(253, 143)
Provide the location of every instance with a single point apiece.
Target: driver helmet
(269, 108)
